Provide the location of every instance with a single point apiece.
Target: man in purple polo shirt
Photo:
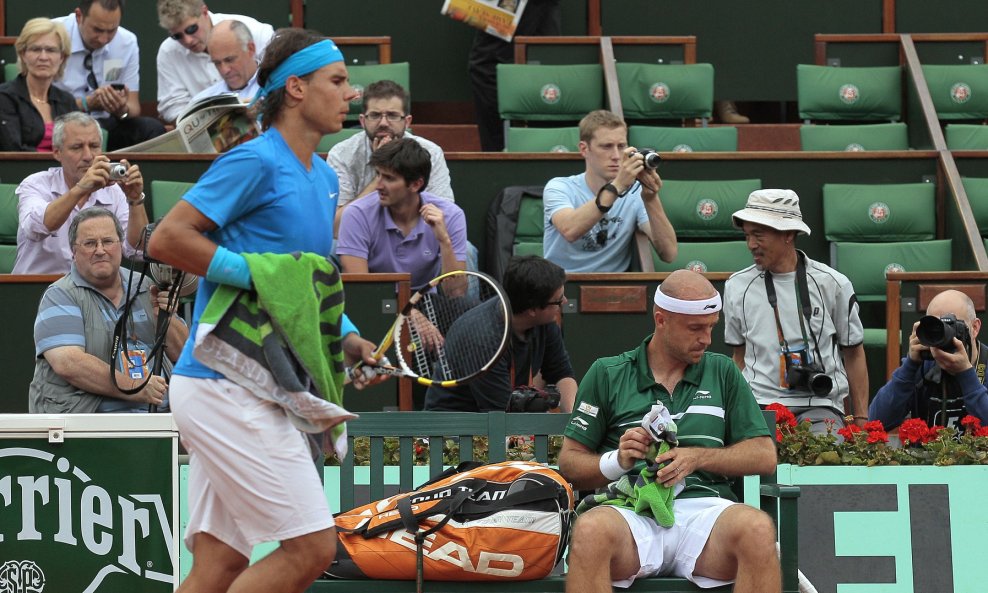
(399, 227)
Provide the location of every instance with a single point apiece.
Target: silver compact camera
(650, 158)
(118, 171)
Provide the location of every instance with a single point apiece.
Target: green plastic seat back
(8, 213)
(966, 136)
(165, 194)
(827, 93)
(365, 74)
(855, 137)
(707, 256)
(8, 255)
(543, 139)
(977, 195)
(879, 212)
(666, 91)
(536, 92)
(528, 233)
(958, 91)
(865, 264)
(330, 140)
(703, 209)
(10, 71)
(669, 139)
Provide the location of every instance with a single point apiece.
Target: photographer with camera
(591, 217)
(942, 378)
(48, 201)
(793, 322)
(534, 373)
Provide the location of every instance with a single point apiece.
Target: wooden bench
(778, 500)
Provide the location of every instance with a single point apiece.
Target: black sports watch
(608, 186)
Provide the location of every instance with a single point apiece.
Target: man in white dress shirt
(232, 51)
(184, 66)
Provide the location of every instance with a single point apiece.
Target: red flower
(914, 431)
(874, 425)
(971, 422)
(878, 436)
(778, 435)
(849, 431)
(782, 415)
(982, 431)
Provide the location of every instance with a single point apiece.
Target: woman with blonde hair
(30, 103)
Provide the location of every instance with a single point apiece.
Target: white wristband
(610, 465)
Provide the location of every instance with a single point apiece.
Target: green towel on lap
(645, 496)
(282, 340)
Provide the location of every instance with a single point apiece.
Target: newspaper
(211, 125)
(495, 17)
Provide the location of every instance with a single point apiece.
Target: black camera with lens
(526, 398)
(650, 157)
(806, 376)
(939, 332)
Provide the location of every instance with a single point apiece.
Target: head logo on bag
(502, 521)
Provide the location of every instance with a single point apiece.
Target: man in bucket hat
(793, 322)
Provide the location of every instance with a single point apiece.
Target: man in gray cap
(793, 322)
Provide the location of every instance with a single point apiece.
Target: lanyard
(803, 302)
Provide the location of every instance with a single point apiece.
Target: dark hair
(530, 281)
(385, 89)
(89, 213)
(283, 44)
(108, 5)
(405, 157)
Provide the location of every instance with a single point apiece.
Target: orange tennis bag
(504, 521)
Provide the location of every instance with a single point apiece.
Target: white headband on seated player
(674, 305)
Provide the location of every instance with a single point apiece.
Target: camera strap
(803, 303)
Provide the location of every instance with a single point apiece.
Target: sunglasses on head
(188, 31)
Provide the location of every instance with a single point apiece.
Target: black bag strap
(463, 466)
(543, 492)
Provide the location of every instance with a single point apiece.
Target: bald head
(232, 51)
(687, 285)
(952, 301)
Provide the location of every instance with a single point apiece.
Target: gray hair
(240, 30)
(171, 13)
(88, 214)
(72, 117)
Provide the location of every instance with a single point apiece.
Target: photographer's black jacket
(909, 393)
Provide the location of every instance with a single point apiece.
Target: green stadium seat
(878, 228)
(701, 211)
(10, 71)
(542, 139)
(164, 195)
(855, 137)
(666, 91)
(966, 136)
(958, 91)
(8, 255)
(543, 93)
(330, 140)
(976, 189)
(828, 93)
(530, 229)
(363, 75)
(669, 139)
(8, 214)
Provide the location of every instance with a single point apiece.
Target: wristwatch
(137, 202)
(607, 186)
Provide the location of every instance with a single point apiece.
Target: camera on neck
(805, 374)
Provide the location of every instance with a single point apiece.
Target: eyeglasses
(90, 245)
(91, 77)
(392, 116)
(189, 31)
(43, 49)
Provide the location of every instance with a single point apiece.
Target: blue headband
(302, 62)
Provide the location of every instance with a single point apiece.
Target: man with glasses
(102, 72)
(48, 201)
(591, 218)
(77, 316)
(184, 66)
(385, 118)
(536, 355)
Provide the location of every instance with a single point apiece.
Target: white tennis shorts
(251, 474)
(672, 551)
